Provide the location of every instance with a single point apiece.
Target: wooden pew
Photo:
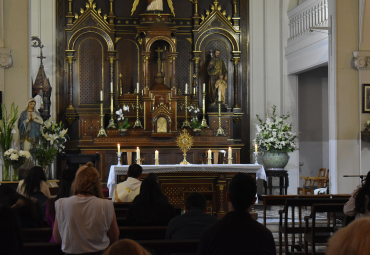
(42, 248)
(286, 229)
(123, 205)
(36, 234)
(278, 200)
(143, 233)
(315, 234)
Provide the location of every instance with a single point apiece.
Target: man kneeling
(126, 191)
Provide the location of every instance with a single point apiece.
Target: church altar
(176, 180)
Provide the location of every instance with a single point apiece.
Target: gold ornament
(184, 141)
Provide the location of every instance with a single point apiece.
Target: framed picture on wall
(366, 98)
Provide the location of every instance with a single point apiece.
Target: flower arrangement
(192, 108)
(275, 134)
(52, 140)
(122, 122)
(16, 158)
(6, 133)
(196, 125)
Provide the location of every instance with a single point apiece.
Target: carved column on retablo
(195, 77)
(70, 112)
(221, 184)
(173, 70)
(236, 85)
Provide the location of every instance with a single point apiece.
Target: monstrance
(184, 141)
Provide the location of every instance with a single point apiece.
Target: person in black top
(237, 233)
(151, 207)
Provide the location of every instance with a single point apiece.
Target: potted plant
(197, 127)
(52, 140)
(6, 134)
(122, 122)
(16, 158)
(275, 139)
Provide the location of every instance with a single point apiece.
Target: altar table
(177, 179)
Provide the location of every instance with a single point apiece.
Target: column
(70, 59)
(236, 85)
(195, 77)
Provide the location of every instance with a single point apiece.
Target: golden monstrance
(184, 141)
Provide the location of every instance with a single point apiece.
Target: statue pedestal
(214, 108)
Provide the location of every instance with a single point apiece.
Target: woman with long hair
(358, 204)
(85, 222)
(66, 179)
(35, 181)
(150, 208)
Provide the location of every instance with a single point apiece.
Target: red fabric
(106, 192)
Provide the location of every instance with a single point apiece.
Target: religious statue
(216, 68)
(29, 124)
(221, 86)
(154, 5)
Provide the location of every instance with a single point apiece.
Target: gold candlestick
(230, 161)
(102, 130)
(220, 130)
(186, 123)
(204, 121)
(111, 121)
(137, 122)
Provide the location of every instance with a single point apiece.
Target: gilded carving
(161, 125)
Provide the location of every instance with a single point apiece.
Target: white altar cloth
(244, 168)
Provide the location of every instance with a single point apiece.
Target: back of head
(353, 239)
(126, 246)
(32, 180)
(154, 176)
(10, 231)
(242, 191)
(362, 193)
(87, 181)
(5, 190)
(134, 171)
(196, 200)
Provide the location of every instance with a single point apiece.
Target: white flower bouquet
(122, 122)
(16, 159)
(275, 134)
(52, 140)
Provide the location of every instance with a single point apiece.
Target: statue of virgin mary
(29, 124)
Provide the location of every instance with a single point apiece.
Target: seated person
(85, 222)
(126, 246)
(10, 231)
(191, 224)
(353, 239)
(126, 191)
(237, 232)
(358, 204)
(150, 208)
(66, 179)
(35, 181)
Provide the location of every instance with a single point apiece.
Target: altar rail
(313, 13)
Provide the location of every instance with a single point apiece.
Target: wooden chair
(309, 188)
(216, 157)
(129, 156)
(315, 234)
(76, 160)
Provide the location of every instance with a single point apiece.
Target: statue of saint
(221, 86)
(155, 5)
(29, 124)
(216, 67)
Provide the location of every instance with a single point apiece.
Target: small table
(283, 183)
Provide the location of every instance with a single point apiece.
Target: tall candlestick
(186, 88)
(156, 154)
(255, 148)
(209, 161)
(119, 148)
(111, 87)
(137, 87)
(142, 92)
(230, 153)
(138, 156)
(219, 95)
(101, 95)
(204, 87)
(209, 153)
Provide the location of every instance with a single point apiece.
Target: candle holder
(230, 161)
(255, 158)
(101, 130)
(209, 161)
(138, 161)
(137, 122)
(186, 123)
(119, 158)
(156, 161)
(111, 121)
(220, 131)
(204, 121)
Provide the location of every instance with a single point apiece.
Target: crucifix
(159, 61)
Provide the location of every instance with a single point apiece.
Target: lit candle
(101, 95)
(156, 154)
(138, 154)
(119, 149)
(204, 87)
(186, 88)
(219, 95)
(209, 154)
(137, 87)
(255, 148)
(111, 87)
(142, 92)
(230, 153)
